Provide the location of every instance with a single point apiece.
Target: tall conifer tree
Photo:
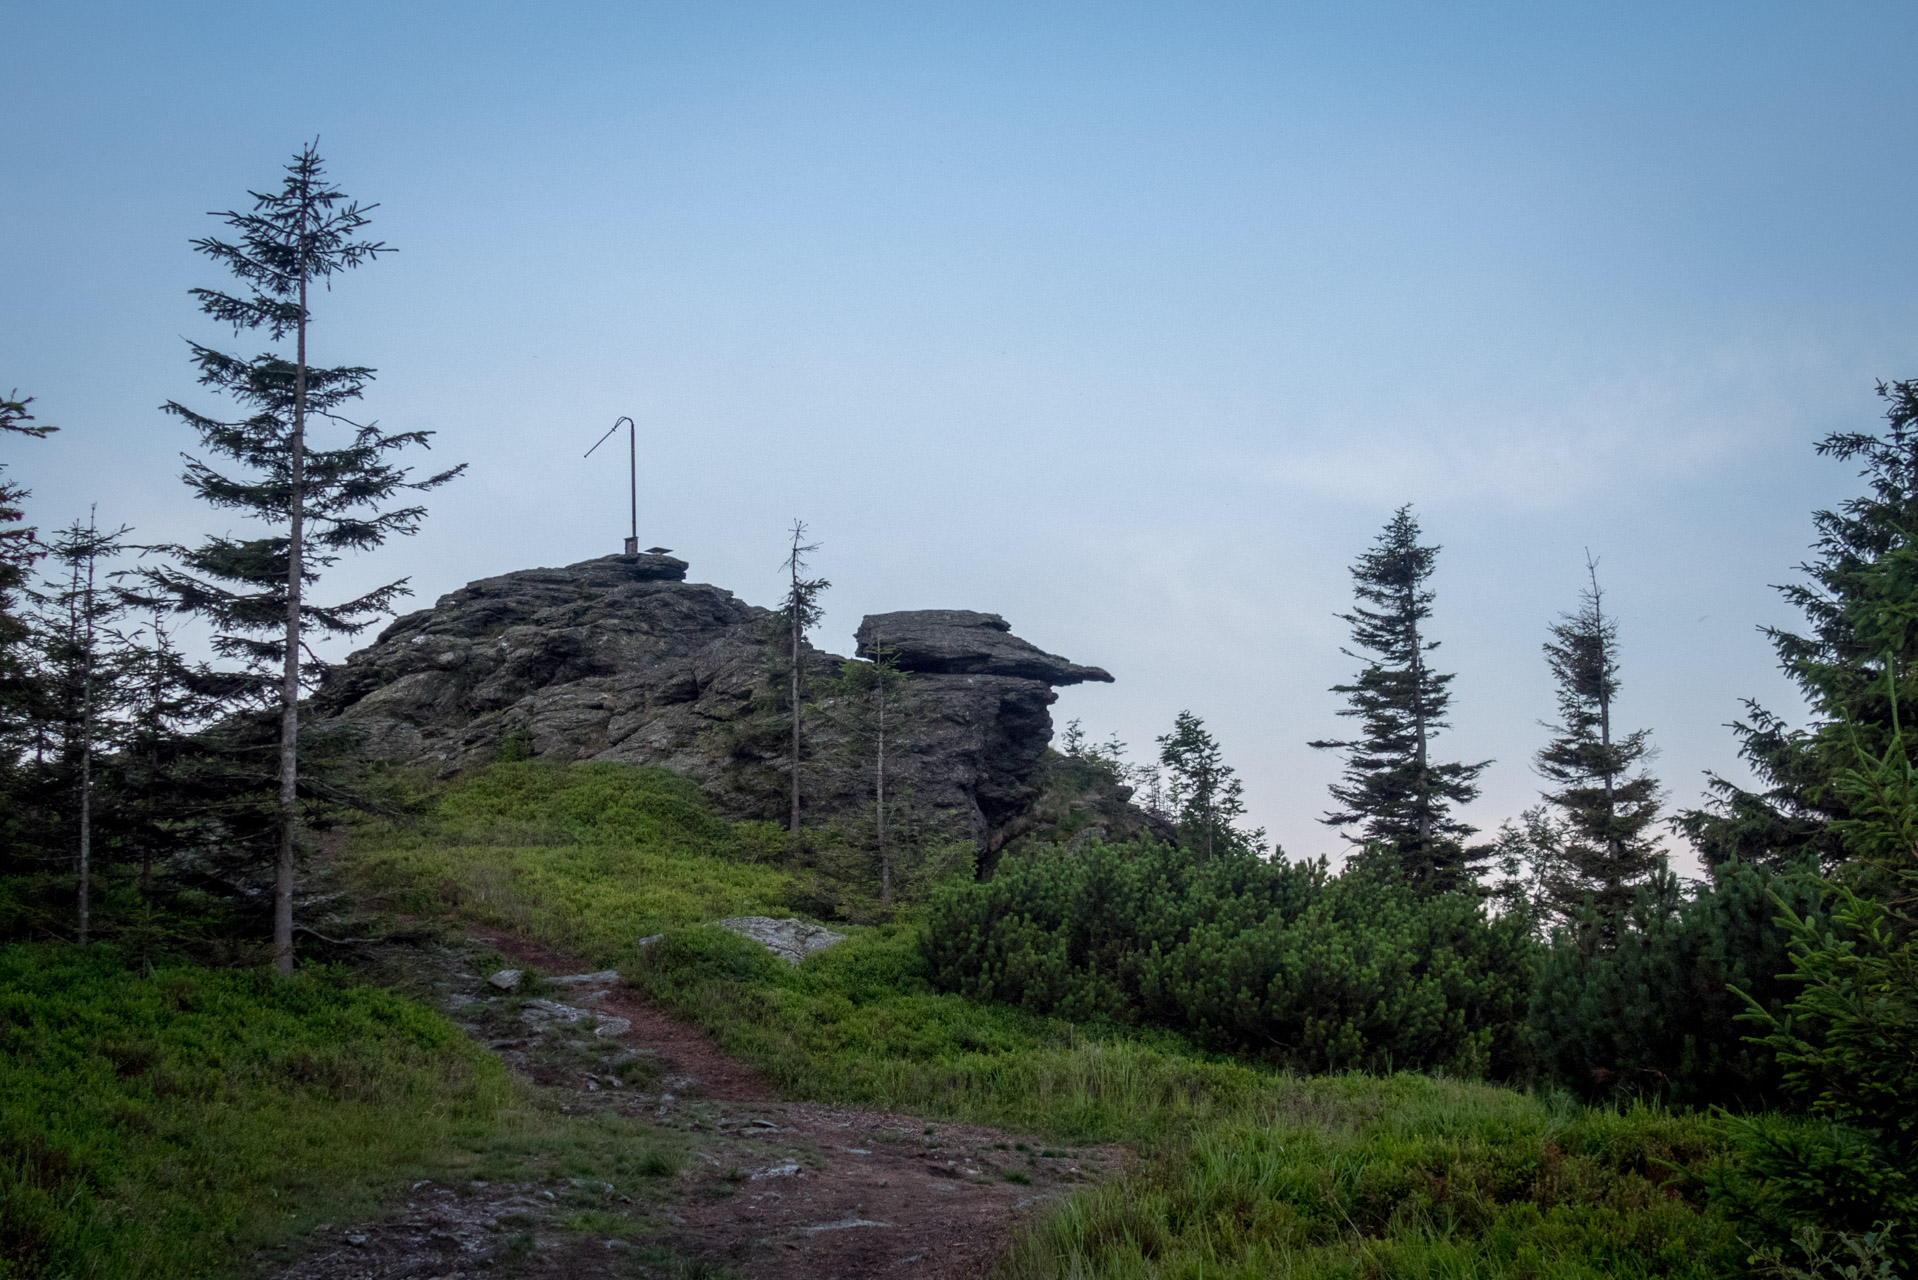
(19, 690)
(1859, 599)
(79, 614)
(1605, 799)
(318, 502)
(1393, 792)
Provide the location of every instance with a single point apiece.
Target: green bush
(1278, 960)
(1660, 1014)
(1847, 1043)
(155, 1126)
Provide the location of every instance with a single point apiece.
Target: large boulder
(621, 659)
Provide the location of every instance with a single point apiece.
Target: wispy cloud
(1567, 439)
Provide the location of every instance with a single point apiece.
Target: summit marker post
(632, 453)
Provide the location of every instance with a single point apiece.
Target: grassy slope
(155, 1125)
(589, 857)
(1250, 1172)
(176, 1123)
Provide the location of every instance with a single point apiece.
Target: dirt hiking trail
(761, 1188)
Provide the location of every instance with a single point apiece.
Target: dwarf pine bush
(1659, 1012)
(1284, 961)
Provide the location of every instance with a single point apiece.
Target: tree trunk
(793, 605)
(1418, 718)
(290, 674)
(86, 752)
(1613, 844)
(153, 762)
(1209, 788)
(86, 827)
(879, 780)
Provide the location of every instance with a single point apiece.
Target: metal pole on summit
(632, 452)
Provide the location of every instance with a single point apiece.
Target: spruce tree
(19, 549)
(1859, 599)
(317, 501)
(1846, 1042)
(165, 702)
(798, 613)
(1393, 792)
(1605, 801)
(1205, 791)
(79, 614)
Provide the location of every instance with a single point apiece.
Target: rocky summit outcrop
(622, 659)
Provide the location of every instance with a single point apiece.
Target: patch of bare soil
(743, 1182)
(800, 1190)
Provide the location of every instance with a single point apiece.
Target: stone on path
(507, 979)
(541, 1012)
(603, 976)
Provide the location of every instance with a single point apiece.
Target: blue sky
(1130, 323)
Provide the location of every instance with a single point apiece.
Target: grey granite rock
(599, 979)
(790, 940)
(621, 659)
(959, 642)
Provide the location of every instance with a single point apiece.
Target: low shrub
(1661, 1014)
(1277, 960)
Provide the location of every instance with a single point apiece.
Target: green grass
(589, 857)
(1247, 1170)
(859, 1023)
(154, 1126)
(1401, 1177)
